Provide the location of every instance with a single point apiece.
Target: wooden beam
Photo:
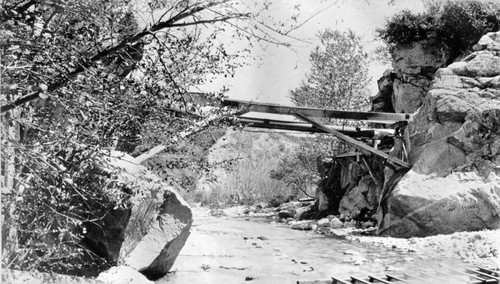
(362, 147)
(369, 133)
(382, 117)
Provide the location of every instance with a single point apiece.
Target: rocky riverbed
(243, 244)
(480, 248)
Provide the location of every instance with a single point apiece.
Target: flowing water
(251, 250)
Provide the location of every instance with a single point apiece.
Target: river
(252, 250)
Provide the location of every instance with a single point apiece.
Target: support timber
(360, 146)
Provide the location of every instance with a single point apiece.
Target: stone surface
(324, 222)
(490, 41)
(302, 225)
(147, 236)
(409, 92)
(361, 196)
(335, 223)
(414, 66)
(31, 277)
(454, 184)
(423, 205)
(284, 214)
(123, 275)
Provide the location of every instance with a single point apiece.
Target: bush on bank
(454, 26)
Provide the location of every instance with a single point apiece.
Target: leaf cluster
(454, 26)
(339, 74)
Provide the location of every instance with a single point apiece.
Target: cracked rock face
(454, 183)
(414, 66)
(148, 235)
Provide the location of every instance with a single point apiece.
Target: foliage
(82, 76)
(339, 74)
(454, 26)
(299, 170)
(240, 164)
(69, 189)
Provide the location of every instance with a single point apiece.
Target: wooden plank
(489, 271)
(375, 133)
(365, 149)
(314, 282)
(362, 133)
(358, 280)
(483, 274)
(373, 278)
(315, 112)
(473, 276)
(391, 277)
(338, 281)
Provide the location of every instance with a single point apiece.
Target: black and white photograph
(250, 141)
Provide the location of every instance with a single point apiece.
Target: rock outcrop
(150, 233)
(454, 183)
(347, 186)
(413, 69)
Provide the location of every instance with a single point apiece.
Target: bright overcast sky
(282, 69)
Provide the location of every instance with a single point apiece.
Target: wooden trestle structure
(353, 136)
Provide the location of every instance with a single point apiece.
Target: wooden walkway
(478, 275)
(349, 135)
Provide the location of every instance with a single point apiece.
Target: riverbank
(257, 249)
(481, 248)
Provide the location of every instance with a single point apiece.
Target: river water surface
(251, 250)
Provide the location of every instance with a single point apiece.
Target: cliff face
(454, 183)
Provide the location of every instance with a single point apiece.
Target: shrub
(453, 26)
(65, 190)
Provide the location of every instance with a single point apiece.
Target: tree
(82, 77)
(339, 74)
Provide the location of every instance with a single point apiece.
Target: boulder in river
(150, 233)
(285, 214)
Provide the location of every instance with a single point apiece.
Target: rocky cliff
(454, 182)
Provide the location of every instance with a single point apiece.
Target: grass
(241, 163)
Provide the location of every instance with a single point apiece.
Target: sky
(282, 69)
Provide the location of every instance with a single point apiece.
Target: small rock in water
(284, 214)
(350, 224)
(325, 222)
(249, 278)
(335, 223)
(367, 225)
(304, 226)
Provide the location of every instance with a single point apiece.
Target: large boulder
(454, 183)
(423, 205)
(414, 65)
(147, 235)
